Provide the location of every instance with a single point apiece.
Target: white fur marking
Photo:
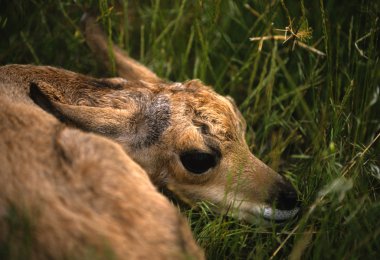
(279, 215)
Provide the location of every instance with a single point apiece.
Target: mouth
(278, 215)
(253, 214)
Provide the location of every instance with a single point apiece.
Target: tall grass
(316, 119)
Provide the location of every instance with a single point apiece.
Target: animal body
(67, 194)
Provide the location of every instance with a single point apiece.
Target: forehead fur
(212, 112)
(191, 102)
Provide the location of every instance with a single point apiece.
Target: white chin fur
(279, 215)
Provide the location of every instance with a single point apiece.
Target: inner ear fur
(104, 120)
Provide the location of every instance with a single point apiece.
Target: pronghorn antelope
(67, 194)
(186, 137)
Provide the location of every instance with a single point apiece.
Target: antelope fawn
(187, 137)
(184, 136)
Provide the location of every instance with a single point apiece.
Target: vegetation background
(314, 118)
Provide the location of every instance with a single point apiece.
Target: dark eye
(198, 162)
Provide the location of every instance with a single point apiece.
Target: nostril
(286, 197)
(287, 200)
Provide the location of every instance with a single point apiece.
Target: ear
(109, 53)
(139, 126)
(107, 121)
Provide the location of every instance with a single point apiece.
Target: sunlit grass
(316, 119)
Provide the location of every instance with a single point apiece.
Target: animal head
(187, 137)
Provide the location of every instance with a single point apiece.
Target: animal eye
(198, 162)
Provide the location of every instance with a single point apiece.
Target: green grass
(315, 119)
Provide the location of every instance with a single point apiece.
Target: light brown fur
(70, 194)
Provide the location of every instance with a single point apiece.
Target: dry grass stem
(284, 38)
(361, 52)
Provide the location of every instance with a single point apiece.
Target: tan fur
(66, 194)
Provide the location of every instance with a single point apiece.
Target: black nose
(284, 196)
